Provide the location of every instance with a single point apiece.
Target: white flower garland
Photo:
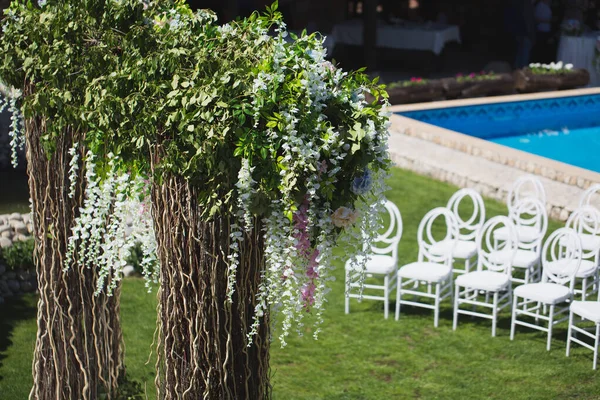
(16, 132)
(115, 218)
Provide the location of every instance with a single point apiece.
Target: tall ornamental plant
(263, 156)
(51, 53)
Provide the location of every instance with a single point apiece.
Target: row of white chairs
(498, 246)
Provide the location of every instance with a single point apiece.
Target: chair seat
(548, 293)
(589, 310)
(464, 248)
(588, 241)
(586, 269)
(376, 264)
(425, 271)
(522, 258)
(524, 233)
(484, 280)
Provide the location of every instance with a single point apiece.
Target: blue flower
(362, 184)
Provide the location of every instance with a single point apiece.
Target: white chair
(492, 276)
(529, 212)
(524, 187)
(382, 262)
(586, 310)
(430, 271)
(465, 248)
(588, 198)
(586, 222)
(561, 257)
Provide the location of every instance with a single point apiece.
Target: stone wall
(15, 227)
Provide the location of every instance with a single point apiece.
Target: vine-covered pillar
(203, 348)
(78, 352)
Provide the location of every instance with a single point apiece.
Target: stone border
(528, 162)
(416, 163)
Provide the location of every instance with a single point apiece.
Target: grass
(361, 355)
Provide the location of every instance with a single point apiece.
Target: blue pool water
(565, 129)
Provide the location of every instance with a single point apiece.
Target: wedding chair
(492, 278)
(549, 299)
(382, 262)
(470, 218)
(430, 277)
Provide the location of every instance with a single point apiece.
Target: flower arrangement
(481, 76)
(413, 81)
(571, 27)
(552, 68)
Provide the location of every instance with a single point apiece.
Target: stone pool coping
(531, 163)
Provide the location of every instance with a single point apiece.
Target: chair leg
(347, 307)
(596, 346)
(436, 311)
(550, 324)
(584, 289)
(569, 331)
(495, 314)
(386, 296)
(398, 297)
(456, 296)
(467, 265)
(514, 317)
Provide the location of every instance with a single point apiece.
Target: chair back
(526, 186)
(470, 222)
(591, 196)
(496, 255)
(561, 257)
(426, 236)
(387, 242)
(586, 221)
(530, 212)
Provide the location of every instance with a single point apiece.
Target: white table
(407, 36)
(580, 51)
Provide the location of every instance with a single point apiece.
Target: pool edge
(528, 162)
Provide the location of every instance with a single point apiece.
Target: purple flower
(362, 184)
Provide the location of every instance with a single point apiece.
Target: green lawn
(361, 355)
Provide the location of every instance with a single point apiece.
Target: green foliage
(19, 255)
(169, 91)
(414, 81)
(473, 77)
(53, 54)
(187, 97)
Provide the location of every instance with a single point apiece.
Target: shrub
(19, 255)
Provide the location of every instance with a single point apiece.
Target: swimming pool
(565, 129)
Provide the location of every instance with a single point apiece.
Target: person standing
(543, 50)
(524, 30)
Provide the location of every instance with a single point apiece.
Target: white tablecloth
(579, 51)
(408, 36)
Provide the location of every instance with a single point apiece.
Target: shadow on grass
(14, 310)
